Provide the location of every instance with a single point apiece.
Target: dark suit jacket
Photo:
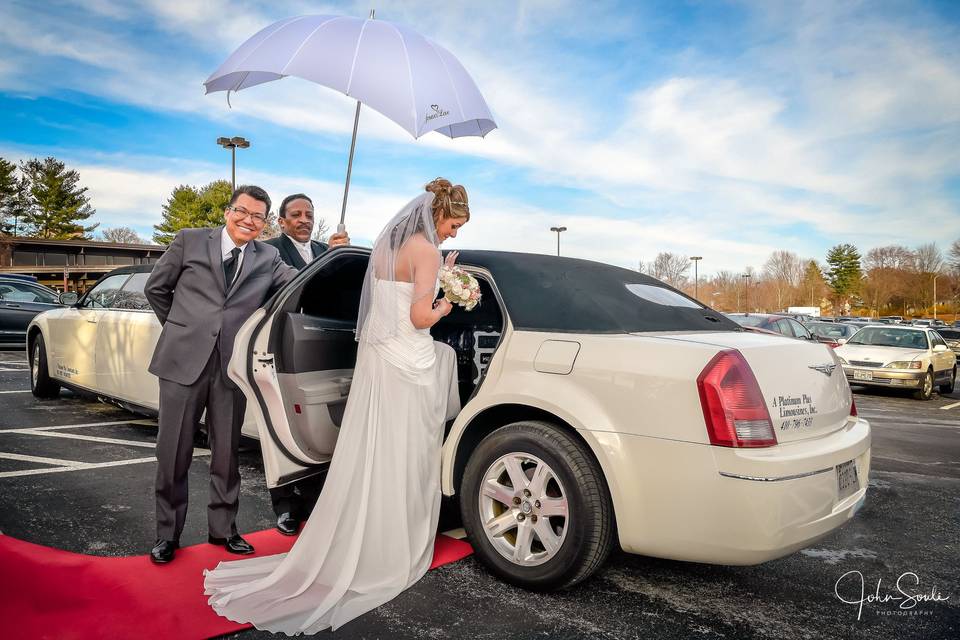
(289, 253)
(187, 292)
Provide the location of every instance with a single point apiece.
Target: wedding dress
(372, 530)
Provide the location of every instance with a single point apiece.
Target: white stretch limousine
(599, 406)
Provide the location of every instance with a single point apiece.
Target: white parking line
(17, 391)
(137, 421)
(950, 406)
(83, 466)
(52, 461)
(77, 436)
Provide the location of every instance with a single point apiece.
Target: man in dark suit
(292, 502)
(207, 284)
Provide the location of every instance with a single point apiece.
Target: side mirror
(68, 298)
(939, 348)
(841, 341)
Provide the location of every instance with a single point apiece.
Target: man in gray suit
(207, 284)
(292, 502)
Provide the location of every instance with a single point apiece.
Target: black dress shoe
(287, 524)
(233, 544)
(163, 551)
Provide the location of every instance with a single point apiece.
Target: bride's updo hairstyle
(449, 200)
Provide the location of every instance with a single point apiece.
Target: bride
(372, 531)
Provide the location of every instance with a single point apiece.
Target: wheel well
(31, 336)
(489, 420)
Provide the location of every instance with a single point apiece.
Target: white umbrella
(408, 78)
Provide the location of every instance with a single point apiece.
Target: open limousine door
(294, 359)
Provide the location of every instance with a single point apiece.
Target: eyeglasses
(240, 211)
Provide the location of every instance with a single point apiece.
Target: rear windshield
(830, 329)
(890, 337)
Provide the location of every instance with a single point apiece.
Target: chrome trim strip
(758, 479)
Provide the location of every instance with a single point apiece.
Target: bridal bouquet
(459, 287)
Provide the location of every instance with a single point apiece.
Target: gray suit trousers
(180, 409)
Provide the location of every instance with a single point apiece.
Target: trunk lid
(802, 382)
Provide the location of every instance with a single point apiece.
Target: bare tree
(928, 258)
(886, 279)
(122, 235)
(784, 270)
(321, 231)
(672, 268)
(955, 256)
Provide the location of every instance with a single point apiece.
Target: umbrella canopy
(390, 68)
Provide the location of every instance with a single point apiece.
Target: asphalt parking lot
(76, 474)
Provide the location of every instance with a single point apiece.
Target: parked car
(952, 338)
(772, 322)
(956, 323)
(22, 298)
(101, 345)
(903, 357)
(548, 457)
(832, 334)
(892, 319)
(921, 322)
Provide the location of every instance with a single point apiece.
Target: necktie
(230, 266)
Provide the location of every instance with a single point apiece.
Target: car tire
(926, 388)
(41, 384)
(553, 551)
(951, 384)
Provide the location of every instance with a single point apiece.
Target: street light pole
(559, 230)
(232, 144)
(696, 277)
(746, 291)
(935, 276)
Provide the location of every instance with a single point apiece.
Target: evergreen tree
(844, 272)
(57, 205)
(12, 198)
(191, 207)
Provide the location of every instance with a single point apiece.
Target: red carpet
(48, 593)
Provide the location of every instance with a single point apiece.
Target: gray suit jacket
(187, 292)
(289, 253)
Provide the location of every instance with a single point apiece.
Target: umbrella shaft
(353, 145)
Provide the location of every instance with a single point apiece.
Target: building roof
(81, 244)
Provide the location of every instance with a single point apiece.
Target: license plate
(847, 481)
(862, 375)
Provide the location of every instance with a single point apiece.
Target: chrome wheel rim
(928, 384)
(35, 364)
(523, 509)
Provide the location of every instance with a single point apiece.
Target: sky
(726, 130)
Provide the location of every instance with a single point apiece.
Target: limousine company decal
(64, 371)
(795, 412)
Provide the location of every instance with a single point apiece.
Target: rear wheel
(536, 507)
(950, 384)
(41, 384)
(926, 387)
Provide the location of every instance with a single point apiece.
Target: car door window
(102, 295)
(131, 297)
(11, 292)
(936, 339)
(799, 330)
(783, 326)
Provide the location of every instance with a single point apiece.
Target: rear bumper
(886, 377)
(700, 503)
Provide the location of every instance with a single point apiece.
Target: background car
(952, 338)
(21, 299)
(599, 406)
(771, 322)
(832, 334)
(921, 322)
(901, 357)
(101, 345)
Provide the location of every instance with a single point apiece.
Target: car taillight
(853, 407)
(733, 407)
